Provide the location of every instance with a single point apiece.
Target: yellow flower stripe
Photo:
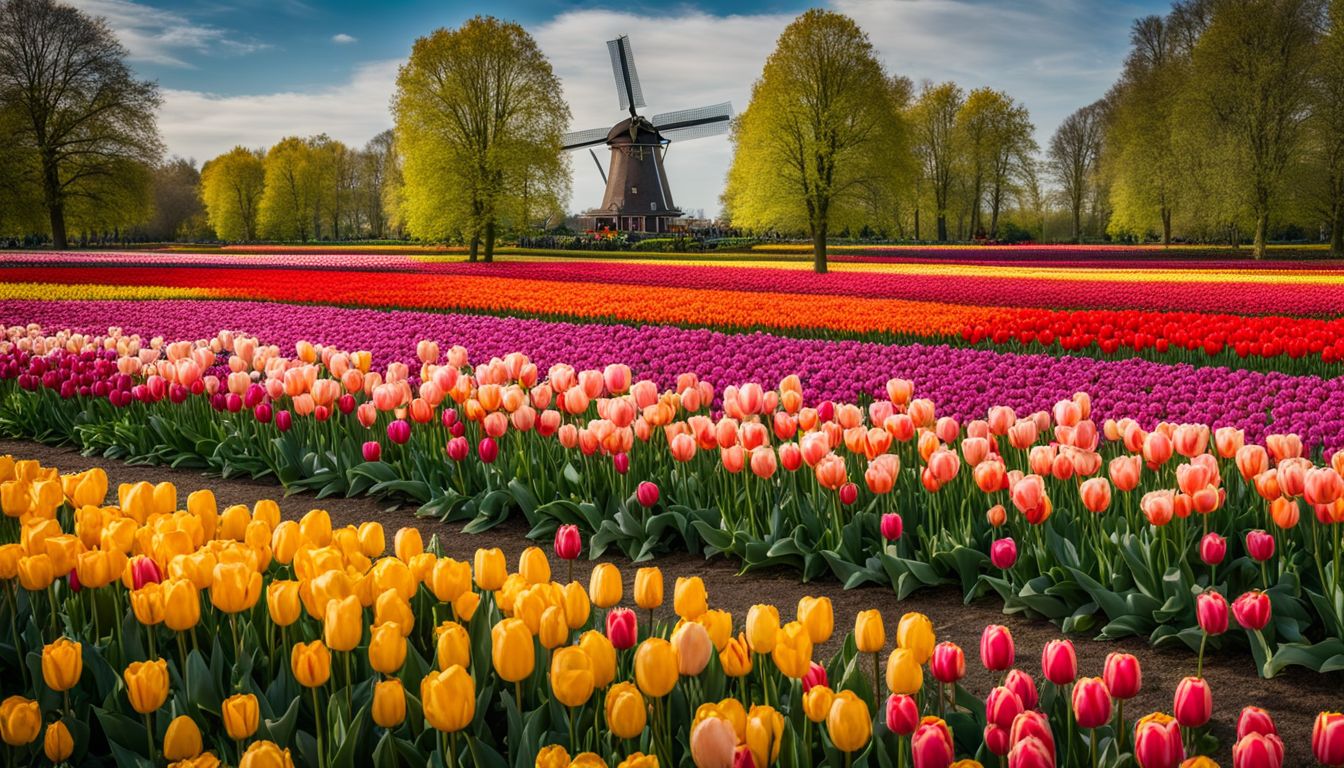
(67, 292)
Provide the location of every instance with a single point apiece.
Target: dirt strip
(1294, 697)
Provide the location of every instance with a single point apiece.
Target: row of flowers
(310, 645)
(1108, 526)
(665, 295)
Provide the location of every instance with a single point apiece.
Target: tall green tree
(477, 109)
(1075, 152)
(994, 139)
(84, 115)
(807, 149)
(231, 188)
(1326, 134)
(178, 211)
(291, 199)
(935, 121)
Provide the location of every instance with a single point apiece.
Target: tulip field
(1131, 445)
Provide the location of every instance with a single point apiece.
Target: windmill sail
(589, 138)
(627, 78)
(695, 123)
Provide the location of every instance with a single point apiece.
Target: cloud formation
(164, 37)
(343, 39)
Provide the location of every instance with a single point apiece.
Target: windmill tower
(638, 198)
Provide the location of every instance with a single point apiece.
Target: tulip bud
(892, 526)
(1212, 549)
(1211, 611)
(1091, 703)
(902, 714)
(1123, 675)
(996, 648)
(1003, 553)
(849, 493)
(1193, 703)
(58, 743)
(1252, 610)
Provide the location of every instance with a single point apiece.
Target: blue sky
(252, 71)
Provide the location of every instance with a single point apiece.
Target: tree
(232, 186)
(808, 144)
(1327, 126)
(1250, 69)
(476, 110)
(994, 139)
(84, 114)
(178, 210)
(935, 119)
(375, 166)
(1074, 151)
(291, 201)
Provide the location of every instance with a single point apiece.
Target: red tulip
(816, 675)
(143, 571)
(902, 714)
(647, 494)
(1212, 549)
(892, 526)
(1031, 752)
(1259, 545)
(1327, 738)
(283, 420)
(1252, 610)
(849, 493)
(568, 542)
(1002, 707)
(1091, 703)
(373, 450)
(1033, 725)
(1193, 703)
(1255, 750)
(948, 664)
(1003, 553)
(743, 758)
(458, 448)
(621, 630)
(1123, 675)
(931, 746)
(1211, 610)
(1024, 686)
(621, 463)
(399, 431)
(488, 450)
(1255, 720)
(996, 648)
(1157, 742)
(1059, 662)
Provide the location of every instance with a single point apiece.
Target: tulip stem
(149, 737)
(877, 680)
(237, 647)
(1199, 664)
(317, 717)
(573, 745)
(1094, 748)
(349, 683)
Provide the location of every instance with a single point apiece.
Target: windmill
(638, 198)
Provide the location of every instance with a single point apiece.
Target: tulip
(849, 723)
(892, 526)
(904, 673)
(20, 721)
(1032, 724)
(656, 667)
(554, 630)
(603, 656)
(511, 651)
(1091, 703)
(1123, 675)
(647, 494)
(622, 628)
(1255, 750)
(387, 648)
(571, 676)
(240, 715)
(182, 741)
(265, 754)
(372, 450)
(915, 634)
(849, 493)
(146, 685)
(1002, 707)
(817, 702)
(764, 734)
(234, 587)
(713, 742)
(634, 760)
(143, 571)
(1211, 611)
(1252, 610)
(996, 648)
(735, 657)
(311, 664)
(282, 602)
(343, 624)
(688, 597)
(902, 714)
(1157, 742)
(490, 569)
(816, 675)
(1059, 662)
(869, 631)
(449, 699)
(1003, 553)
(604, 585)
(62, 664)
(533, 566)
(693, 647)
(553, 756)
(817, 615)
(1259, 545)
(1193, 703)
(1327, 738)
(568, 542)
(762, 627)
(58, 744)
(931, 745)
(792, 651)
(948, 664)
(626, 713)
(1255, 720)
(1031, 752)
(1020, 683)
(389, 703)
(648, 589)
(1212, 549)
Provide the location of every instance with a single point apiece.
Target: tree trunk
(490, 241)
(1077, 224)
(942, 227)
(819, 248)
(1337, 230)
(1166, 226)
(51, 191)
(1261, 232)
(474, 247)
(916, 222)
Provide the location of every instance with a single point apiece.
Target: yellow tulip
(392, 573)
(407, 543)
(391, 606)
(343, 624)
(554, 632)
(282, 602)
(285, 542)
(146, 685)
(587, 760)
(311, 663)
(604, 585)
(719, 624)
(602, 654)
(553, 756)
(421, 565)
(849, 723)
(656, 667)
(489, 568)
(870, 634)
(58, 744)
(449, 579)
(765, 729)
(735, 658)
(449, 699)
(372, 541)
(235, 587)
(816, 614)
(36, 572)
(62, 664)
(20, 721)
(905, 675)
(387, 648)
(688, 598)
(817, 703)
(315, 527)
(389, 703)
(511, 650)
(576, 604)
(639, 760)
(915, 634)
(9, 560)
(533, 566)
(762, 627)
(95, 568)
(648, 588)
(181, 604)
(265, 754)
(464, 607)
(182, 741)
(571, 676)
(693, 646)
(233, 523)
(201, 505)
(792, 653)
(453, 646)
(626, 711)
(147, 604)
(240, 715)
(528, 606)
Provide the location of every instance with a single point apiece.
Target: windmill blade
(589, 138)
(599, 166)
(695, 123)
(627, 78)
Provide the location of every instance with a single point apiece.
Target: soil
(1294, 697)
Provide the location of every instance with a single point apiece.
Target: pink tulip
(399, 431)
(1252, 610)
(1259, 545)
(373, 450)
(892, 526)
(948, 664)
(621, 628)
(568, 542)
(902, 714)
(647, 494)
(1059, 662)
(488, 450)
(996, 648)
(1212, 549)
(1091, 703)
(1003, 553)
(1123, 675)
(1211, 611)
(1193, 703)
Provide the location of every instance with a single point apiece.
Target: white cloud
(160, 36)
(343, 39)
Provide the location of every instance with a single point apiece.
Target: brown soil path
(1294, 697)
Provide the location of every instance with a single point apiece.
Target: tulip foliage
(156, 631)
(1112, 528)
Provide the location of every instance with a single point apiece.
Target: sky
(250, 72)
